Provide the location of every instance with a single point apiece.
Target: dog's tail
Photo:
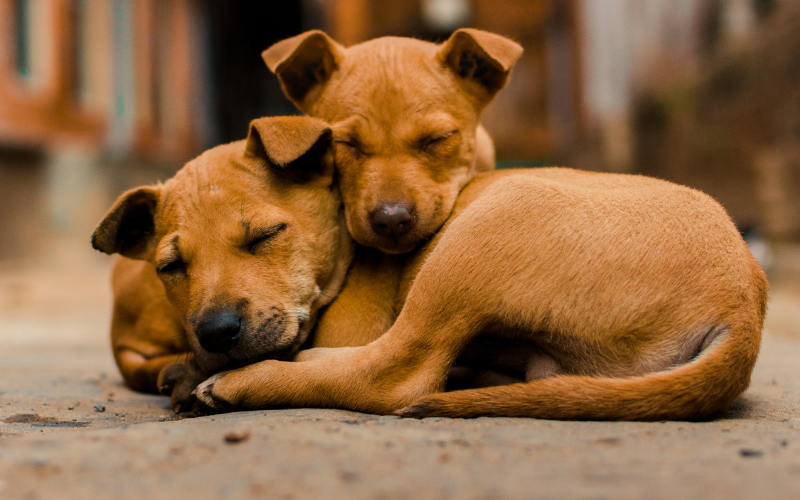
(708, 383)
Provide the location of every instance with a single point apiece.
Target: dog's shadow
(745, 407)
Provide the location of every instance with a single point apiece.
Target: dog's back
(613, 276)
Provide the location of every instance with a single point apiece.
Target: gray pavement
(70, 429)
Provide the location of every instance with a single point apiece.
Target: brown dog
(405, 117)
(408, 139)
(635, 299)
(249, 242)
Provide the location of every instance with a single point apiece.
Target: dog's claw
(426, 406)
(412, 411)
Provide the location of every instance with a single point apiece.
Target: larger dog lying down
(636, 298)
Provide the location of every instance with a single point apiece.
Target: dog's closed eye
(173, 267)
(433, 144)
(262, 236)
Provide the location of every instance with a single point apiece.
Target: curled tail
(693, 390)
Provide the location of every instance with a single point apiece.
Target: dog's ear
(300, 145)
(481, 59)
(304, 64)
(129, 225)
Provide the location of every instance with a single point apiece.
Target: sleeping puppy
(248, 242)
(405, 117)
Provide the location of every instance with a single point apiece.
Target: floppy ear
(304, 64)
(300, 145)
(482, 59)
(129, 225)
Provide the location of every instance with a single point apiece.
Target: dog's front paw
(208, 394)
(178, 381)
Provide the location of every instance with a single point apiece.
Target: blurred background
(97, 96)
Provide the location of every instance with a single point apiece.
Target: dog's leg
(146, 332)
(411, 360)
(174, 375)
(696, 389)
(140, 372)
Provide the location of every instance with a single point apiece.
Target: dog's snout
(218, 332)
(392, 219)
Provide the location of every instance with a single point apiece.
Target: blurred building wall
(627, 43)
(72, 69)
(100, 95)
(86, 88)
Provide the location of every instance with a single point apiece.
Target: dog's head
(404, 115)
(249, 240)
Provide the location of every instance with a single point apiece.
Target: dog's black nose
(219, 332)
(392, 219)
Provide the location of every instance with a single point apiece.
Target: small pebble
(99, 408)
(749, 452)
(70, 407)
(234, 437)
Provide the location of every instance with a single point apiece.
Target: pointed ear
(304, 64)
(129, 226)
(300, 145)
(481, 59)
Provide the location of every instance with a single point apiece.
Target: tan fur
(277, 186)
(638, 296)
(405, 115)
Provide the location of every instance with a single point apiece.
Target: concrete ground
(70, 429)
